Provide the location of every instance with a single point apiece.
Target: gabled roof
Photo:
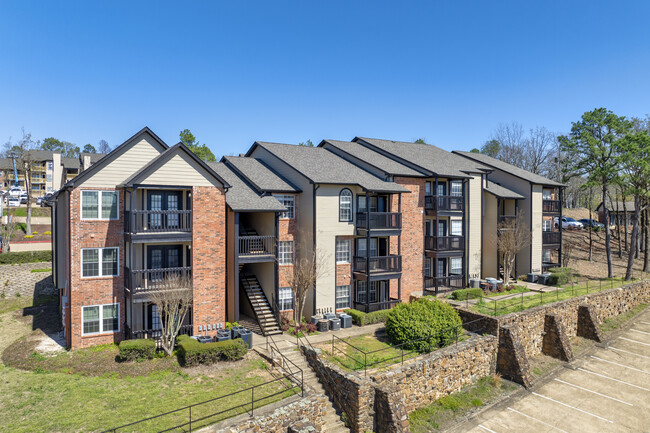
(260, 176)
(41, 155)
(508, 168)
(241, 196)
(500, 191)
(71, 163)
(94, 157)
(629, 206)
(424, 156)
(166, 156)
(322, 166)
(119, 150)
(387, 165)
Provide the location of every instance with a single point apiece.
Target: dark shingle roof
(384, 163)
(240, 196)
(322, 166)
(71, 163)
(94, 157)
(259, 175)
(41, 155)
(508, 168)
(500, 191)
(426, 156)
(629, 206)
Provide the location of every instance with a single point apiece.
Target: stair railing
(285, 363)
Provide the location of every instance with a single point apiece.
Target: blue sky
(235, 72)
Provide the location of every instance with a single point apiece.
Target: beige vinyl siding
(231, 287)
(181, 169)
(474, 214)
(490, 224)
(129, 162)
(328, 228)
(536, 230)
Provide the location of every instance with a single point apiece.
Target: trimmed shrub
(191, 352)
(360, 318)
(423, 318)
(464, 294)
(25, 257)
(137, 350)
(560, 276)
(47, 233)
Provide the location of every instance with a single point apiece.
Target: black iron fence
(375, 306)
(551, 238)
(444, 202)
(142, 281)
(379, 220)
(154, 334)
(450, 281)
(378, 264)
(256, 246)
(158, 221)
(444, 243)
(551, 206)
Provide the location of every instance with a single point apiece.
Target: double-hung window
(99, 262)
(342, 251)
(345, 205)
(456, 266)
(288, 201)
(98, 319)
(456, 227)
(99, 205)
(285, 252)
(342, 297)
(547, 225)
(285, 298)
(361, 292)
(456, 188)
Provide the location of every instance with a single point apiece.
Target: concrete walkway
(30, 246)
(323, 337)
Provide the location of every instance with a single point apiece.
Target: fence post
(365, 364)
(587, 286)
(190, 418)
(332, 345)
(600, 284)
(522, 300)
(456, 331)
(252, 399)
(495, 307)
(302, 382)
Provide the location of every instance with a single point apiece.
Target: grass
(517, 289)
(36, 211)
(445, 410)
(614, 322)
(41, 270)
(519, 303)
(10, 303)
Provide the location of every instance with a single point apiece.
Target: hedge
(423, 318)
(560, 276)
(360, 318)
(25, 257)
(191, 352)
(464, 294)
(137, 350)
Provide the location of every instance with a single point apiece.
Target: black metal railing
(376, 306)
(507, 218)
(378, 264)
(451, 281)
(154, 334)
(551, 206)
(551, 238)
(256, 246)
(444, 202)
(142, 281)
(379, 220)
(444, 243)
(158, 221)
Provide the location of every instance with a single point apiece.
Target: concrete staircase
(257, 299)
(333, 423)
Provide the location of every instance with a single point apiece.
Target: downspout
(315, 187)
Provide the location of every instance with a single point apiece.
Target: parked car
(23, 198)
(15, 191)
(44, 199)
(586, 222)
(14, 202)
(569, 223)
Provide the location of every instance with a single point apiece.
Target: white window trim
(99, 205)
(452, 223)
(81, 259)
(101, 319)
(349, 251)
(292, 253)
(282, 300)
(293, 198)
(349, 296)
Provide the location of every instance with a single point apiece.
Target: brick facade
(208, 256)
(344, 270)
(96, 290)
(288, 231)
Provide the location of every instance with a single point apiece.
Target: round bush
(432, 323)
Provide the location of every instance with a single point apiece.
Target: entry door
(384, 291)
(163, 257)
(442, 228)
(442, 267)
(161, 201)
(442, 189)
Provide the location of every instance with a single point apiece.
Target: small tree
(7, 231)
(513, 235)
(302, 277)
(173, 300)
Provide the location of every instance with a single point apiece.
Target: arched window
(345, 205)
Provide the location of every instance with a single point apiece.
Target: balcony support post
(559, 221)
(368, 253)
(236, 268)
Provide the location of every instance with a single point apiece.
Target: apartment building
(386, 219)
(511, 191)
(144, 213)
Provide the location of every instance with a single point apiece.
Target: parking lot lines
(627, 351)
(641, 332)
(572, 407)
(620, 365)
(614, 379)
(634, 341)
(486, 429)
(538, 420)
(593, 392)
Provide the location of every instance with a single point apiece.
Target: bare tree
(103, 147)
(513, 235)
(7, 231)
(512, 142)
(173, 300)
(25, 164)
(302, 277)
(539, 149)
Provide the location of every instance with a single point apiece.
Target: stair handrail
(272, 349)
(257, 317)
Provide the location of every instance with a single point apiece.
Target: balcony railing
(551, 206)
(507, 218)
(551, 238)
(156, 334)
(444, 203)
(375, 306)
(158, 221)
(250, 246)
(380, 220)
(452, 281)
(378, 264)
(444, 243)
(143, 281)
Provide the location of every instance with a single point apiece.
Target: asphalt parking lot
(606, 390)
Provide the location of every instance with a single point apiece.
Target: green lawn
(36, 211)
(519, 303)
(444, 411)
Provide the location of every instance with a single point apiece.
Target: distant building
(617, 211)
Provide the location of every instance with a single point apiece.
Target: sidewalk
(323, 337)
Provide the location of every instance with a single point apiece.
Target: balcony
(444, 203)
(507, 219)
(378, 265)
(551, 206)
(256, 248)
(444, 243)
(158, 221)
(376, 306)
(386, 222)
(140, 282)
(448, 281)
(551, 238)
